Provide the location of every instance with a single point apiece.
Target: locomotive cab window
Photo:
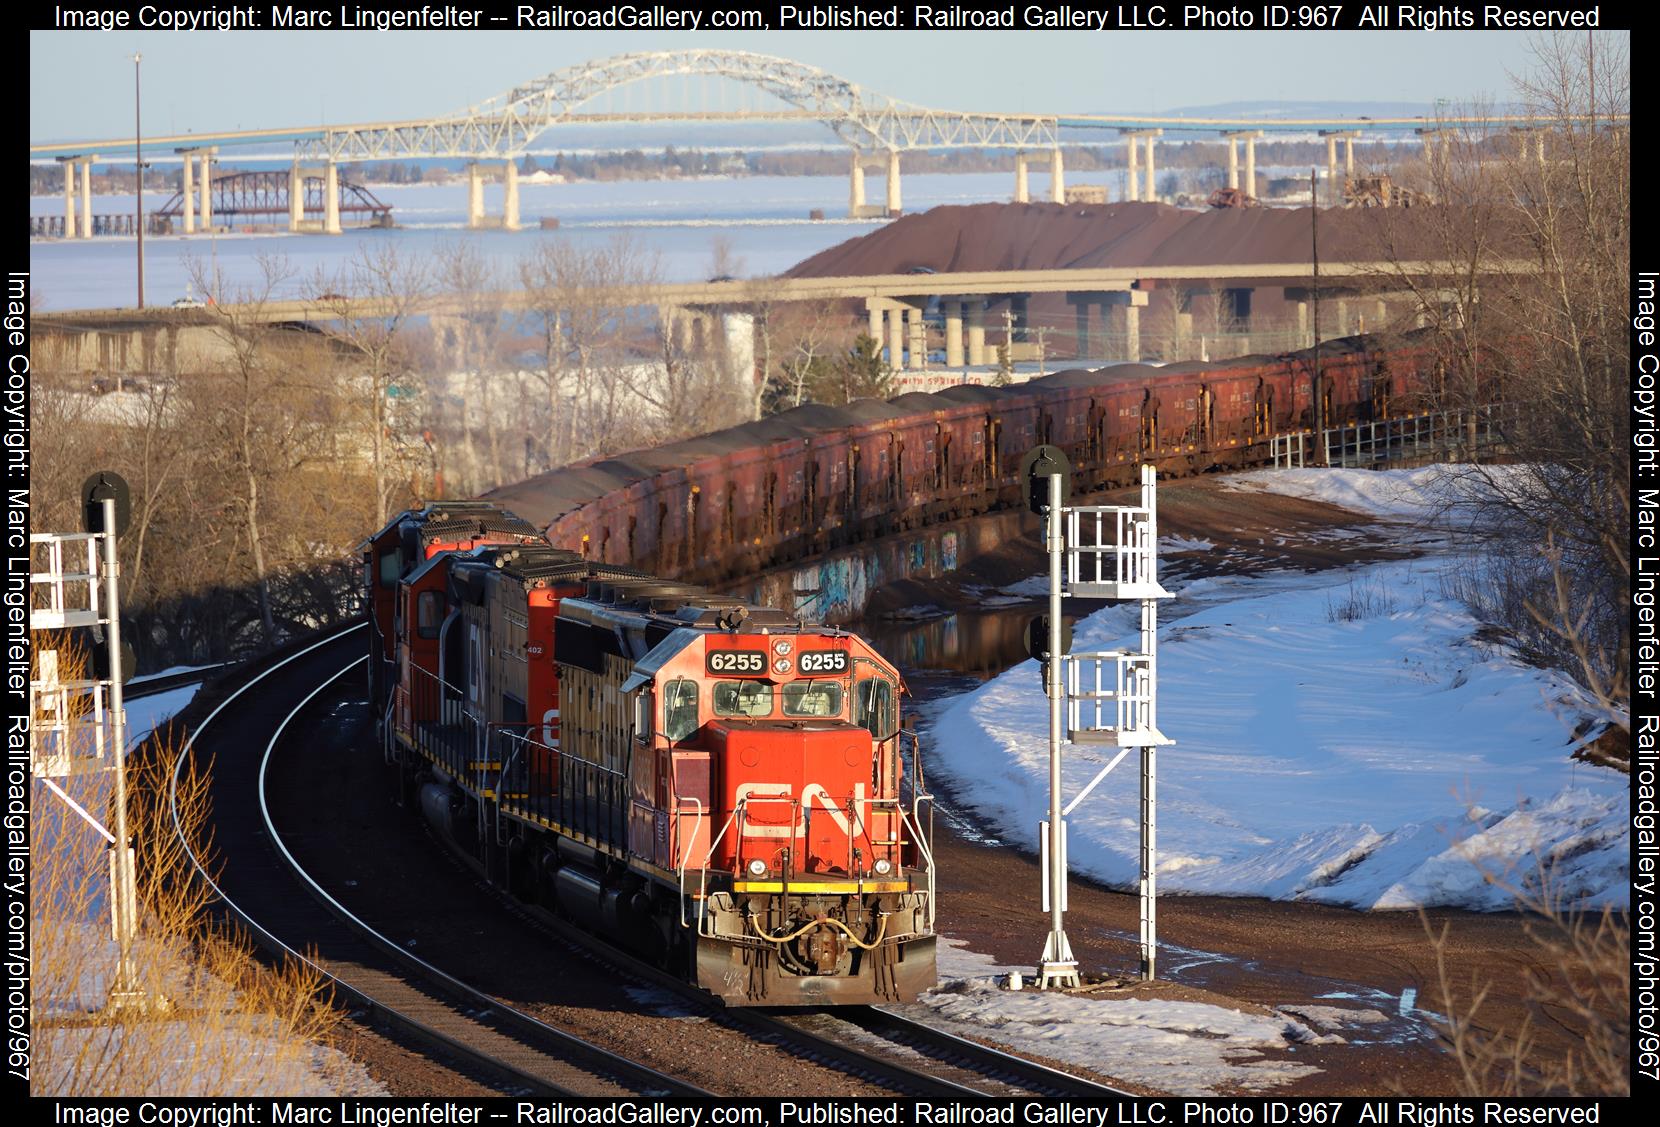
(812, 698)
(680, 709)
(429, 613)
(875, 705)
(391, 566)
(743, 698)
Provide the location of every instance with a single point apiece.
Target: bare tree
(265, 416)
(1535, 310)
(801, 342)
(580, 304)
(372, 300)
(474, 288)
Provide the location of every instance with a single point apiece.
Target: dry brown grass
(1574, 1037)
(210, 1018)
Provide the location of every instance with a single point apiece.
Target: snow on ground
(1340, 737)
(1417, 495)
(211, 1055)
(146, 714)
(1207, 1048)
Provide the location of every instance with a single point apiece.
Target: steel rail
(521, 1025)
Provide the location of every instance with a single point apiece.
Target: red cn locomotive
(715, 785)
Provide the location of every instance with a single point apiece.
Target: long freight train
(817, 478)
(718, 786)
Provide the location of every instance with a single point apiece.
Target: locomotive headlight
(757, 868)
(781, 665)
(882, 867)
(782, 647)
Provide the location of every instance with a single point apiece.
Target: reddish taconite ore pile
(1051, 236)
(1146, 238)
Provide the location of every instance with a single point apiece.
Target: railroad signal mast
(1107, 697)
(79, 727)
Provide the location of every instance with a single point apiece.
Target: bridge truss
(503, 127)
(245, 195)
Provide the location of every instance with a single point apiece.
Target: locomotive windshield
(743, 698)
(812, 698)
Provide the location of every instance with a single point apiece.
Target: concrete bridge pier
(1124, 310)
(1334, 194)
(510, 196)
(331, 199)
(953, 310)
(858, 206)
(1134, 137)
(1250, 137)
(916, 357)
(77, 195)
(189, 194)
(1022, 191)
(891, 313)
(976, 309)
(1057, 177)
(206, 156)
(1437, 142)
(68, 164)
(1523, 134)
(475, 196)
(86, 197)
(1083, 338)
(296, 196)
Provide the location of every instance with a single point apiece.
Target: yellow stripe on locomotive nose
(828, 886)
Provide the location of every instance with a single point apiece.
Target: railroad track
(154, 686)
(889, 1049)
(393, 986)
(450, 1017)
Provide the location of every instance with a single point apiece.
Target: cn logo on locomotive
(811, 794)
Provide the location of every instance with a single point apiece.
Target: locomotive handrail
(703, 869)
(922, 844)
(517, 745)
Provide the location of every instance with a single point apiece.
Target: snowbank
(1340, 737)
(1206, 1048)
(1423, 495)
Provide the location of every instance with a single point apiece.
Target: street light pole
(138, 154)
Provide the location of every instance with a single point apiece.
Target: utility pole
(138, 161)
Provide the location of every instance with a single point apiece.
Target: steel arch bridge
(504, 126)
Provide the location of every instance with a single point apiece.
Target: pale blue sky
(81, 83)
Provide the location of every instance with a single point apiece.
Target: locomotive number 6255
(821, 661)
(751, 663)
